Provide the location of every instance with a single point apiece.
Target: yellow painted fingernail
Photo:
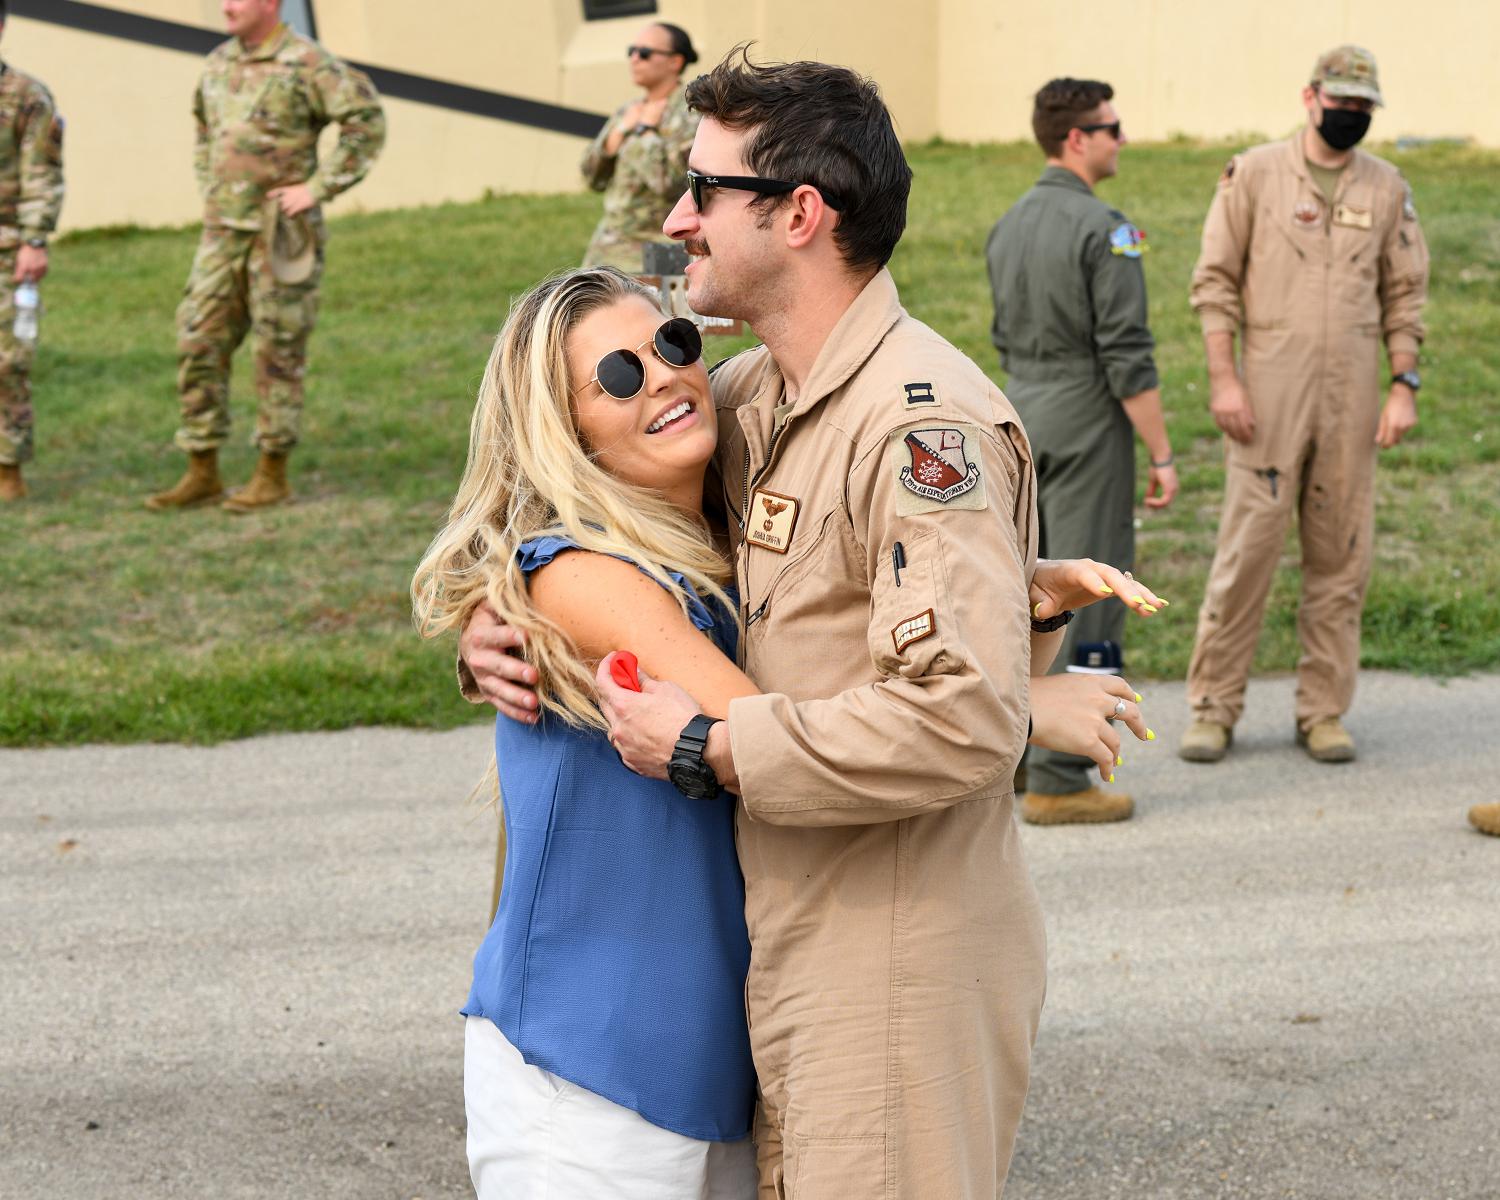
(1151, 735)
(1108, 591)
(1119, 762)
(1138, 697)
(1148, 609)
(1139, 599)
(1164, 603)
(1111, 779)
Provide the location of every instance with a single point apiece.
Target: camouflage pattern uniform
(31, 193)
(259, 111)
(641, 182)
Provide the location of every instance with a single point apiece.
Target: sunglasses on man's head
(644, 53)
(1110, 127)
(622, 374)
(700, 185)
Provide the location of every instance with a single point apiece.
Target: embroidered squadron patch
(1353, 218)
(919, 395)
(770, 522)
(1307, 213)
(1126, 239)
(914, 629)
(937, 467)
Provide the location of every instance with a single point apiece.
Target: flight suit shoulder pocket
(910, 631)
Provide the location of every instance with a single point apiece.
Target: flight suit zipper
(751, 618)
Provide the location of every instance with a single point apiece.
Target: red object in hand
(623, 671)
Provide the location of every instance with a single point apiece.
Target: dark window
(602, 10)
(299, 15)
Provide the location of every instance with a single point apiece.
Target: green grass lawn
(117, 624)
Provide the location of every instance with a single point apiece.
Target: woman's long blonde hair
(528, 475)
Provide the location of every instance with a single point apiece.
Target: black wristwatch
(689, 774)
(1051, 624)
(1410, 378)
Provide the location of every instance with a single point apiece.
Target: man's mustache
(696, 247)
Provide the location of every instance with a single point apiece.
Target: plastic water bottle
(28, 307)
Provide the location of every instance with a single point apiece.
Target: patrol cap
(1348, 71)
(294, 247)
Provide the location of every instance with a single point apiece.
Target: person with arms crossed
(1071, 328)
(31, 195)
(880, 506)
(1312, 253)
(264, 96)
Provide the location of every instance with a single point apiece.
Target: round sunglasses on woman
(622, 374)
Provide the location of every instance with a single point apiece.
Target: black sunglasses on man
(1110, 127)
(700, 185)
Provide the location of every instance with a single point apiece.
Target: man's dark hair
(681, 43)
(1062, 105)
(809, 122)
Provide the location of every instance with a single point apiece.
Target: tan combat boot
(267, 486)
(200, 485)
(1486, 818)
(1205, 742)
(1092, 806)
(12, 486)
(1327, 741)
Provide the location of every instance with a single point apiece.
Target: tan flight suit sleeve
(1220, 270)
(1403, 281)
(946, 721)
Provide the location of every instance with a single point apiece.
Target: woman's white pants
(533, 1136)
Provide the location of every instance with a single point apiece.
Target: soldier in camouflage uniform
(260, 105)
(639, 159)
(31, 193)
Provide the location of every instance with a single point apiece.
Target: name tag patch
(914, 629)
(937, 467)
(1354, 218)
(770, 521)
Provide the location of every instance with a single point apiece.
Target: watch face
(696, 780)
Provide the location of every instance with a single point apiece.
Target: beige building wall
(1212, 70)
(962, 69)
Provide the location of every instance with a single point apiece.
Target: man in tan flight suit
(1313, 250)
(881, 503)
(879, 496)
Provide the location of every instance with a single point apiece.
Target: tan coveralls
(898, 954)
(1313, 287)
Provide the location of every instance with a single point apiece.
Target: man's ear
(808, 209)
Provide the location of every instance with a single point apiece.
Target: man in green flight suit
(31, 193)
(264, 96)
(1070, 325)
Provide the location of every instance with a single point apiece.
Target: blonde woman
(605, 1048)
(639, 158)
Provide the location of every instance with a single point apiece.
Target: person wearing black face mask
(1312, 253)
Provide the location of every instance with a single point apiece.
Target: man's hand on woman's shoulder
(490, 649)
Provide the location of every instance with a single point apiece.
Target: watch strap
(694, 736)
(1051, 624)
